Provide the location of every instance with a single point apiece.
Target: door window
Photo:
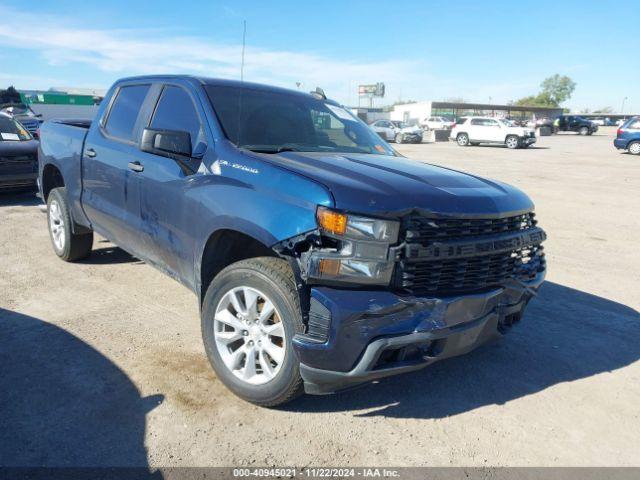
(176, 111)
(124, 111)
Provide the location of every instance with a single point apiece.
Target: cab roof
(221, 82)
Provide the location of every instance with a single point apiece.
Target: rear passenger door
(167, 211)
(110, 195)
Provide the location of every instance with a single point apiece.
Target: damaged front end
(381, 297)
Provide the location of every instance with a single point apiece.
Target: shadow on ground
(19, 198)
(63, 403)
(566, 335)
(109, 255)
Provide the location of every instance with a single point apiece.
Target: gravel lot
(101, 362)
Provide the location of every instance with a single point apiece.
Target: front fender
(260, 200)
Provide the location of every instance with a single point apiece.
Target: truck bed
(61, 145)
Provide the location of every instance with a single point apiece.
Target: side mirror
(167, 143)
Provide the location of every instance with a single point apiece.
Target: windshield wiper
(271, 149)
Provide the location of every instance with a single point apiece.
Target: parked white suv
(476, 130)
(436, 123)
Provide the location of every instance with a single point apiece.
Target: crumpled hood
(412, 129)
(391, 186)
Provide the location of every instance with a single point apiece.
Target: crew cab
(628, 136)
(320, 257)
(575, 123)
(396, 131)
(18, 155)
(477, 130)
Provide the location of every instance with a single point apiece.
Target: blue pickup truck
(321, 258)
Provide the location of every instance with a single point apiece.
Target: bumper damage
(360, 336)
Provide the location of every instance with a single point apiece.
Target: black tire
(462, 139)
(418, 140)
(584, 131)
(399, 138)
(274, 277)
(634, 148)
(73, 246)
(512, 142)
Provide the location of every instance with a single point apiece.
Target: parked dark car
(575, 123)
(23, 113)
(321, 258)
(628, 136)
(18, 155)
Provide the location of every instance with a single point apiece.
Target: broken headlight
(355, 249)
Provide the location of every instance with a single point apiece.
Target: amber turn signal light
(331, 221)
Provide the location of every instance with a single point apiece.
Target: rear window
(124, 112)
(634, 124)
(10, 130)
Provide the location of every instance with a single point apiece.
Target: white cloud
(129, 52)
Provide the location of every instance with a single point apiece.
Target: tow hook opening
(508, 321)
(406, 355)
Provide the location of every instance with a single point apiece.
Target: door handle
(136, 166)
(91, 152)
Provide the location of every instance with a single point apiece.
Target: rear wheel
(250, 315)
(512, 142)
(634, 148)
(462, 139)
(584, 131)
(67, 245)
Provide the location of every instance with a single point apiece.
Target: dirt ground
(101, 362)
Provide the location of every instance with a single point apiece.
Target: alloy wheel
(512, 142)
(249, 335)
(56, 225)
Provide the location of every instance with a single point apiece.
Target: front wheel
(634, 148)
(584, 131)
(69, 246)
(512, 142)
(250, 314)
(462, 139)
(399, 138)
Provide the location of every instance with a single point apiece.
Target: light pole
(622, 108)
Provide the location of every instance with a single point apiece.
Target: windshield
(12, 130)
(273, 122)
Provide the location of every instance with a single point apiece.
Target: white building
(413, 113)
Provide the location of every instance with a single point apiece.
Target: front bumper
(375, 334)
(529, 140)
(412, 137)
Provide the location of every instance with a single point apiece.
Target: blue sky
(422, 50)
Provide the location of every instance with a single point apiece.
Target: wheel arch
(51, 178)
(222, 248)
